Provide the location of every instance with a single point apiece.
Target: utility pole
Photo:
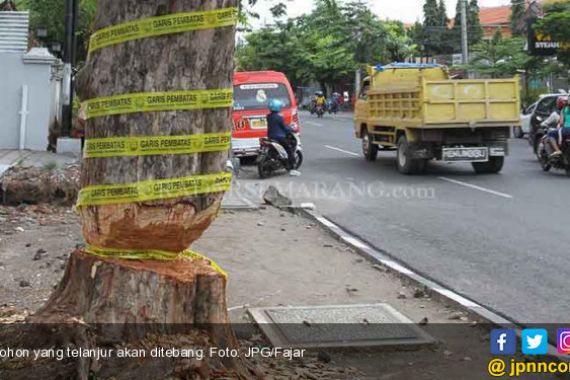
(464, 43)
(68, 62)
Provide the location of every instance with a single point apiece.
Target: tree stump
(109, 303)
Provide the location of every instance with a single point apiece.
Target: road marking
(312, 123)
(475, 187)
(341, 150)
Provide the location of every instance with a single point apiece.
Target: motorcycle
(313, 107)
(320, 111)
(333, 109)
(273, 156)
(547, 161)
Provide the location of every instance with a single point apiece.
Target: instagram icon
(563, 341)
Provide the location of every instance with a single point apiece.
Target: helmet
(562, 102)
(275, 105)
(319, 93)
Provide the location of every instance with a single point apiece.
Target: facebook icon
(503, 342)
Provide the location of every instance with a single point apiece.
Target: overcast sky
(403, 10)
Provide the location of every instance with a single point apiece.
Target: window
(364, 90)
(255, 96)
(530, 109)
(546, 106)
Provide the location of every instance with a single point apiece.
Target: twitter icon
(535, 342)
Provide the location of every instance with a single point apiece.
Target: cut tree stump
(108, 303)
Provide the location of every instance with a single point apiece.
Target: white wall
(34, 70)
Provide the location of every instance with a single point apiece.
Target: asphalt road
(501, 240)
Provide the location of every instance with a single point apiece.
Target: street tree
(518, 24)
(326, 45)
(433, 28)
(474, 30)
(399, 46)
(135, 283)
(556, 24)
(499, 58)
(50, 14)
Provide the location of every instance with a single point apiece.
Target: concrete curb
(436, 290)
(377, 257)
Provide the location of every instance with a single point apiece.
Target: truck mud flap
(420, 151)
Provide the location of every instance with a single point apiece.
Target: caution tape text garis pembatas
(124, 254)
(159, 101)
(156, 145)
(154, 190)
(163, 25)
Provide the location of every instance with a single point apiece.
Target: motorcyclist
(320, 99)
(277, 130)
(557, 136)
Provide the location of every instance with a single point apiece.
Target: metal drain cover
(374, 325)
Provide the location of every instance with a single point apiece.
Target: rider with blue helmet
(277, 130)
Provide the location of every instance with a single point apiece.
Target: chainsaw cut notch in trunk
(197, 60)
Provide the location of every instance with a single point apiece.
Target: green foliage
(326, 45)
(474, 30)
(556, 24)
(399, 45)
(433, 28)
(517, 17)
(50, 166)
(500, 57)
(50, 14)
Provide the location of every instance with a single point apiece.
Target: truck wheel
(369, 149)
(406, 165)
(493, 166)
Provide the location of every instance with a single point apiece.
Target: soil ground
(274, 258)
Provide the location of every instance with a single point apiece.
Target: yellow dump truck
(420, 112)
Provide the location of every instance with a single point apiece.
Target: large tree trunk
(186, 61)
(115, 304)
(102, 302)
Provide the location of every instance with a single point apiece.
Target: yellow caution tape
(124, 254)
(162, 25)
(155, 145)
(159, 101)
(154, 190)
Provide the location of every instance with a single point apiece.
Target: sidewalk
(273, 258)
(9, 158)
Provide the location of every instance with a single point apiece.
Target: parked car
(252, 91)
(545, 105)
(526, 115)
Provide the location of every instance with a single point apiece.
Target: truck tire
(406, 165)
(493, 166)
(369, 149)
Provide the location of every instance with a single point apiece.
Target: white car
(524, 129)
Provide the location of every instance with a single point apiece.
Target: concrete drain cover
(376, 325)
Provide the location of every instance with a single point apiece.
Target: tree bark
(186, 61)
(104, 302)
